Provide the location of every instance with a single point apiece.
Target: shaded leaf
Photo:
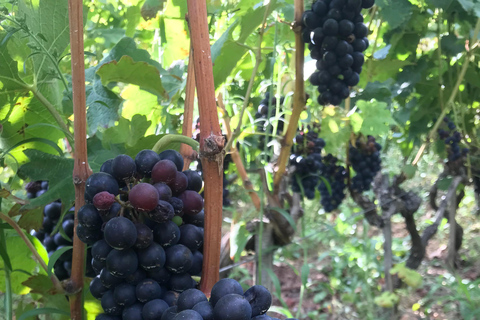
(395, 12)
(138, 73)
(31, 219)
(376, 118)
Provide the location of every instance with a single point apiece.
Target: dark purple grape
(103, 200)
(232, 306)
(53, 210)
(173, 156)
(179, 259)
(147, 290)
(163, 212)
(124, 294)
(143, 197)
(152, 257)
(120, 233)
(99, 182)
(97, 289)
(122, 263)
(188, 298)
(224, 287)
(164, 191)
(153, 309)
(259, 298)
(109, 305)
(166, 234)
(192, 202)
(123, 167)
(195, 181)
(145, 160)
(144, 236)
(164, 171)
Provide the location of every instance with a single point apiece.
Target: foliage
(422, 63)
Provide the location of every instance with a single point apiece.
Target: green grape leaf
(395, 12)
(176, 32)
(103, 104)
(31, 219)
(128, 71)
(150, 8)
(471, 6)
(9, 77)
(20, 259)
(232, 50)
(376, 118)
(48, 19)
(334, 129)
(40, 283)
(56, 170)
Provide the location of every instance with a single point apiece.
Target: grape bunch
(306, 160)
(332, 189)
(55, 241)
(365, 160)
(228, 301)
(144, 219)
(263, 123)
(337, 38)
(452, 138)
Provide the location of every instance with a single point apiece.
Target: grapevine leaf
(334, 129)
(31, 219)
(232, 50)
(176, 35)
(376, 117)
(49, 20)
(395, 12)
(103, 106)
(21, 259)
(471, 6)
(138, 73)
(9, 76)
(39, 283)
(382, 70)
(150, 8)
(56, 170)
(444, 4)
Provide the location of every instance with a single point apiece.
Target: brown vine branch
(56, 283)
(186, 151)
(236, 157)
(211, 142)
(258, 60)
(81, 170)
(298, 97)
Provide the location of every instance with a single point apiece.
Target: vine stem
(56, 283)
(81, 169)
(298, 97)
(185, 150)
(8, 303)
(258, 60)
(168, 139)
(211, 142)
(452, 97)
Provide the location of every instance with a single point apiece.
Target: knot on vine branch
(213, 146)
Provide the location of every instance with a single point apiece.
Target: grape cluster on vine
(337, 38)
(263, 123)
(144, 219)
(228, 301)
(332, 186)
(306, 159)
(365, 160)
(53, 241)
(452, 138)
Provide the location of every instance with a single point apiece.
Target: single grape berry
(123, 167)
(145, 160)
(143, 197)
(173, 156)
(120, 233)
(103, 200)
